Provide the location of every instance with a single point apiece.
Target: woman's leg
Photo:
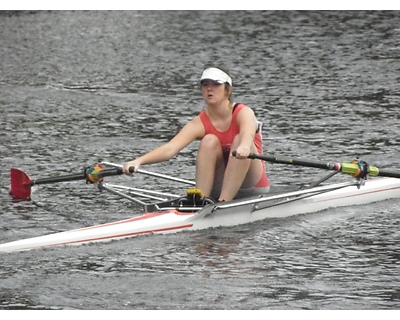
(240, 173)
(210, 166)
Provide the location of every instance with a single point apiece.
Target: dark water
(77, 87)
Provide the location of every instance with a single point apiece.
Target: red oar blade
(20, 185)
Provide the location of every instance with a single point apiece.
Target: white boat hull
(222, 214)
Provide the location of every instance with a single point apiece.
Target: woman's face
(213, 91)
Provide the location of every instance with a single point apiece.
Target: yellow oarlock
(195, 193)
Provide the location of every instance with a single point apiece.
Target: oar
(21, 183)
(347, 168)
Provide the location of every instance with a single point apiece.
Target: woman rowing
(223, 127)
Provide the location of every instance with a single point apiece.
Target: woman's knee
(210, 142)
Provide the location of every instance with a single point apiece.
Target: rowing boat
(173, 213)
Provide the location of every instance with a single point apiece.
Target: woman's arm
(192, 131)
(247, 130)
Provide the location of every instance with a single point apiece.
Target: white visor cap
(216, 74)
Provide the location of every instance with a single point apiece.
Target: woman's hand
(133, 163)
(243, 152)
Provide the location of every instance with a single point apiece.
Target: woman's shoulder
(237, 106)
(243, 111)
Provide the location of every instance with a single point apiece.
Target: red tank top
(226, 138)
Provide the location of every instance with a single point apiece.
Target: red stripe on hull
(119, 236)
(145, 216)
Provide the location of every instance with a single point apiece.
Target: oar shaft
(347, 168)
(70, 177)
(297, 162)
(390, 174)
(76, 176)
